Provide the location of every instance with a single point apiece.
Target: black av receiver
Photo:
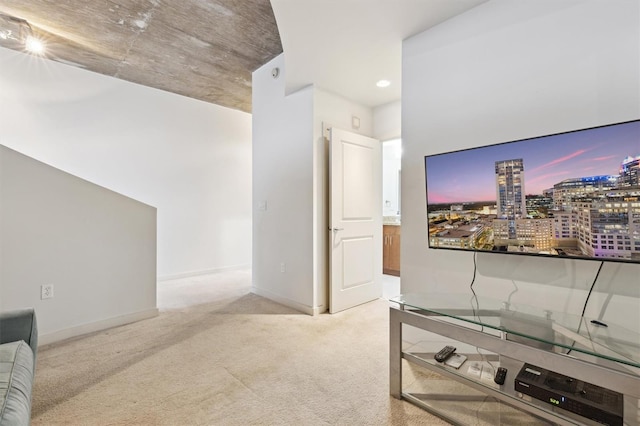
(585, 399)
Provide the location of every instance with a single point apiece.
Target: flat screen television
(574, 194)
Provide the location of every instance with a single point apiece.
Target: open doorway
(391, 216)
(391, 171)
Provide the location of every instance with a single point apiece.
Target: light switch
(262, 206)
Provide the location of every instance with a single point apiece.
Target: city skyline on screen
(469, 175)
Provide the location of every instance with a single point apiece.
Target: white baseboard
(67, 333)
(203, 272)
(305, 309)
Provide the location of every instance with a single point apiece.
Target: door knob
(336, 229)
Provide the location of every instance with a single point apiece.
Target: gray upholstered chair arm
(19, 325)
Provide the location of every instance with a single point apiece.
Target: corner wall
(505, 71)
(188, 158)
(282, 264)
(96, 247)
(387, 121)
(290, 186)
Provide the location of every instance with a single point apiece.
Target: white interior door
(355, 223)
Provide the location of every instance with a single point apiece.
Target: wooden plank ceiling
(203, 49)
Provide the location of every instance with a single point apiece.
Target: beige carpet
(219, 355)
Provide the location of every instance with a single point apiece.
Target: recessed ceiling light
(383, 83)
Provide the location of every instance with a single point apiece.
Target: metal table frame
(616, 380)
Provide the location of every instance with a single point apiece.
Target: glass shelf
(558, 332)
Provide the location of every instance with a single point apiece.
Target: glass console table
(589, 353)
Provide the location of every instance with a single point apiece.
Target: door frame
(368, 290)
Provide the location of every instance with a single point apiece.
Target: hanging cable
(476, 313)
(586, 301)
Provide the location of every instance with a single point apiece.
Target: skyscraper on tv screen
(510, 193)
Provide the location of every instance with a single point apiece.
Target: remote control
(600, 323)
(501, 375)
(444, 353)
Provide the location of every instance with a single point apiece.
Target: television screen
(573, 194)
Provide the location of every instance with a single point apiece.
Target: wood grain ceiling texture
(203, 49)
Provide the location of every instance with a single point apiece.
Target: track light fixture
(16, 33)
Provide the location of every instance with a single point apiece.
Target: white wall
(391, 166)
(290, 178)
(505, 71)
(190, 159)
(283, 187)
(387, 121)
(96, 247)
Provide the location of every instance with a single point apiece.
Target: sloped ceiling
(207, 49)
(203, 49)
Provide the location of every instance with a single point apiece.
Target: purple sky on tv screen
(469, 175)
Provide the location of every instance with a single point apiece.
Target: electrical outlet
(283, 267)
(46, 291)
